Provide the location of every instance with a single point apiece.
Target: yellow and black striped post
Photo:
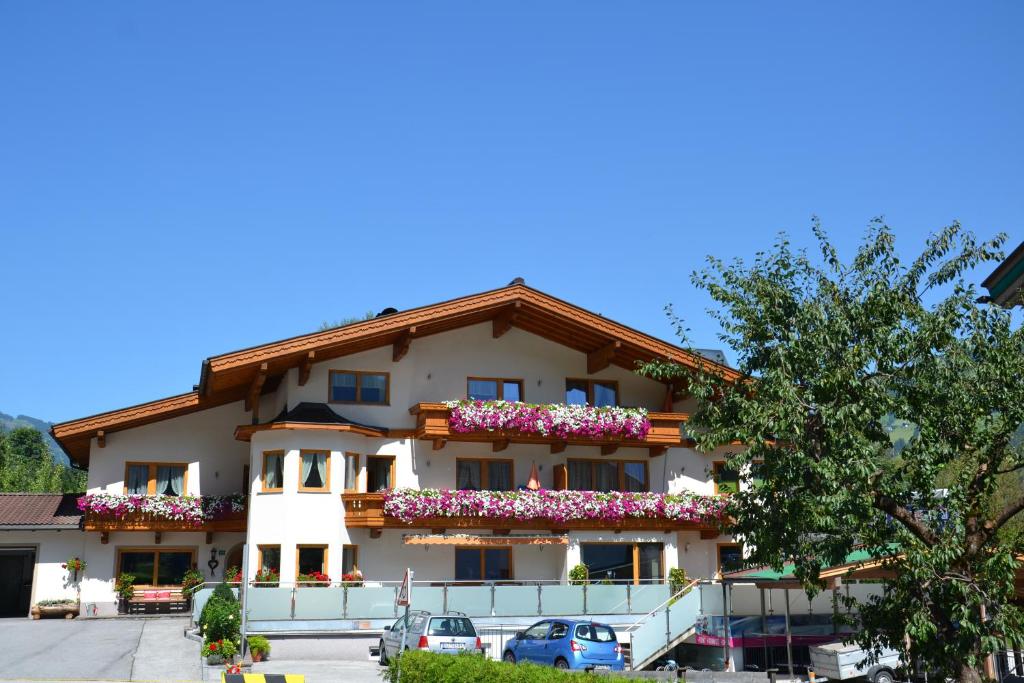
(262, 678)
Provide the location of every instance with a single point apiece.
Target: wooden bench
(155, 600)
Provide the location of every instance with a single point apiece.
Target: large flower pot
(122, 605)
(68, 610)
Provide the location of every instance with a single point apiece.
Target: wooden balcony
(366, 511)
(432, 425)
(229, 521)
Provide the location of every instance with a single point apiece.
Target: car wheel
(382, 655)
(509, 658)
(883, 676)
(561, 664)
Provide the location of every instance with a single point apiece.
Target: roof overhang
(1005, 283)
(244, 374)
(245, 432)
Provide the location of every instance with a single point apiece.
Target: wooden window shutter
(561, 478)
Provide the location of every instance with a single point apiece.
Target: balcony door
(624, 562)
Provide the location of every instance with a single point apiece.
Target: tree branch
(906, 518)
(1008, 513)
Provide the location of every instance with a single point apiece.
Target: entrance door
(16, 566)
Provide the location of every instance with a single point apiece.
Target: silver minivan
(451, 632)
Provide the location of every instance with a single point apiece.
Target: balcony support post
(492, 599)
(540, 600)
(292, 613)
(585, 598)
(629, 598)
(444, 596)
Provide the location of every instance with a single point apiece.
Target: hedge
(429, 667)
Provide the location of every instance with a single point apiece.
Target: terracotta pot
(257, 656)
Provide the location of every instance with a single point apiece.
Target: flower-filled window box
(194, 510)
(553, 420)
(557, 507)
(313, 579)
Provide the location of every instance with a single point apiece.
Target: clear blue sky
(181, 179)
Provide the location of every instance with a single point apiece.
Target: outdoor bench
(151, 600)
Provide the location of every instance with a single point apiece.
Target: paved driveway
(97, 649)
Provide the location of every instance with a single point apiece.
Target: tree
(830, 354)
(27, 465)
(330, 325)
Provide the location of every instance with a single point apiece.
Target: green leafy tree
(27, 465)
(330, 325)
(830, 354)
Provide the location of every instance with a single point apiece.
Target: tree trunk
(970, 674)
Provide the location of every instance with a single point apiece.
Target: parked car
(451, 632)
(567, 644)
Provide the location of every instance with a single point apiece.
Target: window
(607, 475)
(537, 631)
(156, 567)
(596, 633)
(726, 480)
(349, 558)
(351, 386)
(451, 627)
(270, 558)
(483, 564)
(351, 471)
(558, 631)
(623, 562)
(314, 471)
(156, 478)
(380, 473)
(311, 558)
(494, 389)
(593, 392)
(483, 475)
(730, 557)
(273, 471)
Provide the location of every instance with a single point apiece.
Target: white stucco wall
(53, 548)
(205, 440)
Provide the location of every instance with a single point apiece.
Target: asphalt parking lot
(155, 650)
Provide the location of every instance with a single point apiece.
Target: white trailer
(839, 662)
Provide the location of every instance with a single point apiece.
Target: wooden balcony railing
(366, 511)
(228, 520)
(432, 424)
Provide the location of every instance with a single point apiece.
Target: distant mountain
(8, 423)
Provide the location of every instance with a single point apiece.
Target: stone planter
(214, 660)
(122, 605)
(68, 610)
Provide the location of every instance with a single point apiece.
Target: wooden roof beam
(101, 439)
(601, 358)
(402, 344)
(306, 367)
(252, 397)
(609, 449)
(499, 445)
(503, 322)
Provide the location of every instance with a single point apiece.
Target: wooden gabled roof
(246, 373)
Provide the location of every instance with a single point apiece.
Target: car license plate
(453, 646)
(602, 667)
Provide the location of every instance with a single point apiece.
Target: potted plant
(313, 579)
(219, 651)
(579, 575)
(352, 580)
(233, 575)
(66, 608)
(259, 647)
(124, 587)
(267, 578)
(190, 583)
(74, 565)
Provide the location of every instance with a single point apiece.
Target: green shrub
(221, 616)
(259, 644)
(579, 575)
(223, 648)
(677, 579)
(191, 581)
(429, 667)
(124, 585)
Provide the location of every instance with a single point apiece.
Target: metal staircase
(664, 627)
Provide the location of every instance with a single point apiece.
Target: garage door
(16, 566)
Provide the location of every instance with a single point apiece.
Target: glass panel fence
(475, 601)
(647, 596)
(427, 598)
(376, 602)
(606, 599)
(319, 603)
(515, 601)
(560, 601)
(266, 604)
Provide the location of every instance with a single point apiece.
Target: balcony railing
(115, 512)
(543, 510)
(433, 422)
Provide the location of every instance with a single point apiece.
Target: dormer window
(593, 392)
(357, 386)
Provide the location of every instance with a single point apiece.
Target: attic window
(356, 386)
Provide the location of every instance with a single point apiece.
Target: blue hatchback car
(566, 644)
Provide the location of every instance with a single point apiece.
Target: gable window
(356, 386)
(483, 475)
(726, 480)
(273, 471)
(314, 471)
(351, 471)
(270, 558)
(380, 472)
(311, 558)
(494, 389)
(607, 475)
(155, 478)
(156, 567)
(483, 564)
(592, 392)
